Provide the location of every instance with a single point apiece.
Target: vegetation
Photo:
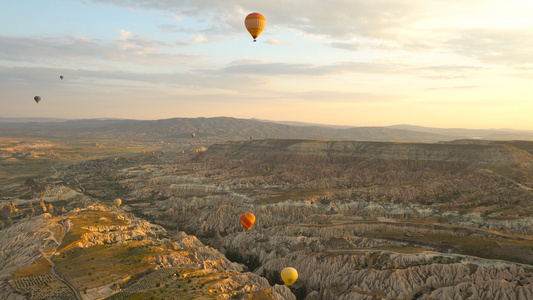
(333, 205)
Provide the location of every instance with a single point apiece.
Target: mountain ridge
(219, 129)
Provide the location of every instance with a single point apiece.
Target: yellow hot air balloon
(117, 202)
(143, 152)
(255, 23)
(289, 275)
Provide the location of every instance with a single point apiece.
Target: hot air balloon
(117, 202)
(255, 23)
(61, 77)
(197, 150)
(143, 152)
(182, 151)
(251, 138)
(289, 275)
(37, 99)
(193, 134)
(247, 220)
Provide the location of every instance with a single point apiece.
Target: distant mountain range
(485, 134)
(224, 128)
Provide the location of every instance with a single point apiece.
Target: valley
(358, 220)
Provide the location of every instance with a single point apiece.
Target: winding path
(56, 274)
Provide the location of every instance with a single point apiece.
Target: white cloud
(124, 34)
(345, 46)
(275, 42)
(512, 47)
(466, 28)
(133, 49)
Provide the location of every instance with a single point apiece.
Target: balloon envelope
(247, 220)
(61, 77)
(289, 275)
(37, 99)
(143, 152)
(117, 202)
(255, 23)
(193, 134)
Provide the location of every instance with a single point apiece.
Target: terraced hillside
(99, 252)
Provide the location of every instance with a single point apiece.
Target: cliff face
(290, 150)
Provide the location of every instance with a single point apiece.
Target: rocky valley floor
(357, 220)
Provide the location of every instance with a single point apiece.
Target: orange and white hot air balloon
(255, 23)
(247, 220)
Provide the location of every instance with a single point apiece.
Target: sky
(441, 63)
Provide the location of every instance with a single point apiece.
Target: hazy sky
(448, 63)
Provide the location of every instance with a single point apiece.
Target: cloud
(247, 61)
(336, 96)
(263, 68)
(201, 79)
(280, 68)
(197, 39)
(450, 71)
(460, 87)
(136, 49)
(511, 47)
(335, 18)
(124, 35)
(444, 26)
(275, 42)
(345, 46)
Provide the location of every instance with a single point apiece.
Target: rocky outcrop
(20, 246)
(309, 150)
(98, 228)
(361, 220)
(404, 276)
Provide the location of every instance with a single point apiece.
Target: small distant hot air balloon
(37, 99)
(193, 135)
(117, 202)
(251, 138)
(182, 151)
(197, 150)
(289, 275)
(61, 77)
(143, 152)
(255, 23)
(247, 220)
